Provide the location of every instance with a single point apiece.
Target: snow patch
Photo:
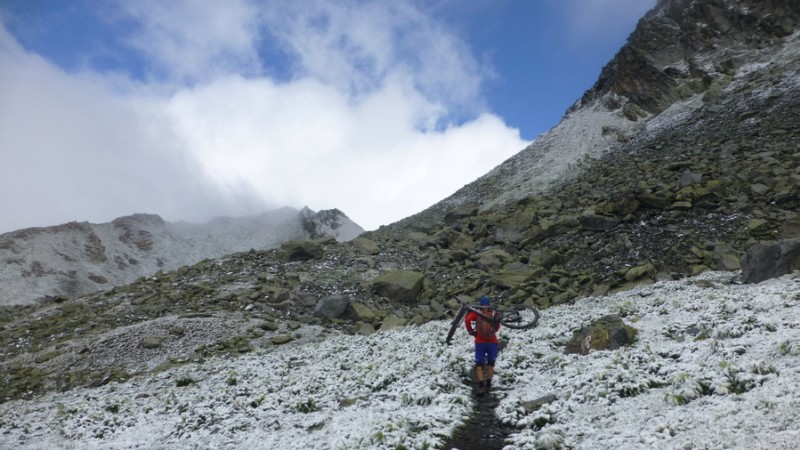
(715, 365)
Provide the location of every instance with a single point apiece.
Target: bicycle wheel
(456, 323)
(519, 317)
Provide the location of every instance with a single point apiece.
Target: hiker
(486, 343)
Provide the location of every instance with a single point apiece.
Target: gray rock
(365, 329)
(281, 339)
(606, 333)
(634, 273)
(392, 322)
(331, 306)
(269, 326)
(399, 285)
(361, 312)
(301, 250)
(533, 405)
(151, 342)
(770, 260)
(689, 178)
(759, 189)
(598, 223)
(366, 246)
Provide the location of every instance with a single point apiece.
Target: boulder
(392, 322)
(655, 201)
(725, 257)
(759, 189)
(790, 229)
(398, 285)
(365, 329)
(494, 258)
(365, 246)
(606, 333)
(281, 339)
(514, 276)
(756, 224)
(331, 306)
(770, 260)
(298, 250)
(151, 342)
(545, 258)
(533, 405)
(689, 178)
(463, 243)
(592, 222)
(361, 312)
(453, 217)
(634, 273)
(509, 235)
(268, 326)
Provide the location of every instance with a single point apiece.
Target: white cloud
(306, 142)
(72, 149)
(356, 45)
(190, 40)
(364, 123)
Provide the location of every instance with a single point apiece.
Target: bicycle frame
(508, 318)
(477, 309)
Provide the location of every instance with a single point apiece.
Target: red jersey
(471, 322)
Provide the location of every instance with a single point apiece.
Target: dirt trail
(483, 431)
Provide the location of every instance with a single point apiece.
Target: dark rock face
(662, 62)
(770, 260)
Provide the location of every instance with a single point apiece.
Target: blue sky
(197, 108)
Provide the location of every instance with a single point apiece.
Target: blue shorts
(485, 353)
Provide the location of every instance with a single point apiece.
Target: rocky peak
(685, 47)
(329, 222)
(143, 219)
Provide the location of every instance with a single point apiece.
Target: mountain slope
(683, 155)
(685, 56)
(78, 258)
(603, 201)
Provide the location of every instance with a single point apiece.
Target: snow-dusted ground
(716, 365)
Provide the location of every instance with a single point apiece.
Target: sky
(715, 364)
(194, 109)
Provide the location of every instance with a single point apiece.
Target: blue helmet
(485, 301)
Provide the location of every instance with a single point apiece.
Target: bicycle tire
(456, 324)
(511, 317)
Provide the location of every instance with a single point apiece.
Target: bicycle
(517, 317)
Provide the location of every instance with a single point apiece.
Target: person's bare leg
(489, 376)
(479, 377)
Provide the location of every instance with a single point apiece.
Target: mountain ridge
(78, 258)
